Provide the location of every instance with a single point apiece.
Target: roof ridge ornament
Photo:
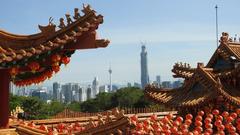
(76, 14)
(87, 9)
(68, 18)
(50, 21)
(200, 65)
(224, 38)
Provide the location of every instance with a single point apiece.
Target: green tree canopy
(15, 101)
(74, 106)
(127, 97)
(124, 97)
(32, 107)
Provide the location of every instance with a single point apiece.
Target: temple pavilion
(216, 85)
(31, 59)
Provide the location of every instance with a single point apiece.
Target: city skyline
(75, 92)
(169, 34)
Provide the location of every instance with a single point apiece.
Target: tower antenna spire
(143, 43)
(216, 7)
(110, 77)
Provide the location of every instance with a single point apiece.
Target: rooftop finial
(216, 7)
(50, 21)
(62, 24)
(69, 20)
(200, 65)
(76, 14)
(87, 9)
(235, 38)
(224, 38)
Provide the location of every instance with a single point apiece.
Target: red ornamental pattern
(56, 58)
(55, 68)
(65, 60)
(35, 80)
(14, 71)
(34, 66)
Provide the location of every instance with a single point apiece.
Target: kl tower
(110, 79)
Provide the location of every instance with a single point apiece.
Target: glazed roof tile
(184, 96)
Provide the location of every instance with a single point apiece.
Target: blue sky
(173, 30)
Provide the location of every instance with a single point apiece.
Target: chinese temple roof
(219, 79)
(227, 51)
(34, 58)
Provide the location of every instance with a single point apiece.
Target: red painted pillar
(4, 97)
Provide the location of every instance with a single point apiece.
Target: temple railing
(73, 114)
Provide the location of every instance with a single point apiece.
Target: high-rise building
(12, 88)
(95, 87)
(166, 84)
(40, 93)
(177, 83)
(158, 80)
(89, 91)
(137, 85)
(144, 67)
(155, 83)
(129, 84)
(78, 94)
(21, 91)
(56, 91)
(62, 97)
(75, 96)
(81, 92)
(114, 88)
(75, 91)
(110, 79)
(103, 88)
(67, 92)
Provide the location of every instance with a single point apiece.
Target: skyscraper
(40, 93)
(166, 84)
(89, 91)
(177, 84)
(12, 88)
(158, 80)
(81, 94)
(144, 67)
(67, 92)
(103, 88)
(56, 91)
(110, 79)
(95, 87)
(75, 91)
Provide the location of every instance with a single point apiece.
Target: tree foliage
(124, 97)
(74, 106)
(34, 108)
(32, 105)
(15, 101)
(127, 97)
